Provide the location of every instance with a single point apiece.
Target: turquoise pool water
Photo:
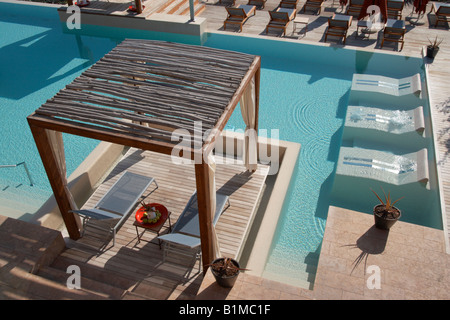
(304, 94)
(37, 60)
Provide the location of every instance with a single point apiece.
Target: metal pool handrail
(16, 165)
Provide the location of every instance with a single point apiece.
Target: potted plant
(225, 271)
(433, 48)
(385, 213)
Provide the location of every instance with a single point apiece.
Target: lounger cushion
(97, 214)
(181, 239)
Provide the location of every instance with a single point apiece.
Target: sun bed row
(285, 13)
(368, 127)
(394, 28)
(280, 18)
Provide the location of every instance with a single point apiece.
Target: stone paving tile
(411, 259)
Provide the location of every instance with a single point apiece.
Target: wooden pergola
(136, 96)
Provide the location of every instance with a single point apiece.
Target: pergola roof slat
(148, 89)
(204, 54)
(170, 107)
(72, 112)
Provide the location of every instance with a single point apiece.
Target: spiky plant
(225, 267)
(389, 211)
(435, 43)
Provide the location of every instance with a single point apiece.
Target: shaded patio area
(140, 265)
(168, 98)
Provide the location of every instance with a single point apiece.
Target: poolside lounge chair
(288, 4)
(280, 18)
(232, 2)
(384, 166)
(354, 7)
(395, 8)
(394, 31)
(386, 85)
(442, 11)
(239, 15)
(258, 3)
(338, 26)
(314, 4)
(185, 235)
(117, 204)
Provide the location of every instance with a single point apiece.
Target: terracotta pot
(385, 223)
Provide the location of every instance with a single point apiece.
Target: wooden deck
(144, 261)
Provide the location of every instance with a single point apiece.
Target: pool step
(301, 275)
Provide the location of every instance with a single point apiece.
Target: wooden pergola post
(56, 180)
(257, 84)
(138, 4)
(202, 179)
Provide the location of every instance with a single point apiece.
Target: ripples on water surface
(308, 110)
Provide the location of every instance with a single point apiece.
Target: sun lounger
(185, 235)
(280, 18)
(394, 31)
(233, 2)
(386, 85)
(239, 15)
(338, 26)
(384, 166)
(288, 4)
(392, 121)
(354, 7)
(395, 8)
(442, 11)
(117, 204)
(314, 4)
(258, 3)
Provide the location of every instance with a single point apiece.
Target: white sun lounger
(392, 121)
(117, 204)
(185, 235)
(384, 166)
(386, 85)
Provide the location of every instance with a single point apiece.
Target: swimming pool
(34, 65)
(304, 93)
(308, 105)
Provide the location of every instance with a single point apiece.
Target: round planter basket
(385, 223)
(224, 280)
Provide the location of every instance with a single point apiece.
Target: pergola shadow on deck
(137, 96)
